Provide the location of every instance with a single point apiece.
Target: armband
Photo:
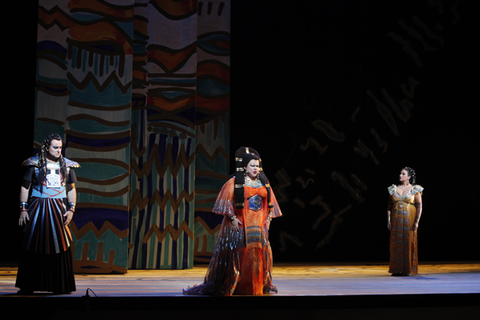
(23, 206)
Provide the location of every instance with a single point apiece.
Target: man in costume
(47, 205)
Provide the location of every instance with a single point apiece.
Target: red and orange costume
(242, 260)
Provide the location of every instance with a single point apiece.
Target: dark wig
(411, 174)
(42, 157)
(242, 157)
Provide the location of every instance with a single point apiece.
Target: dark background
(297, 64)
(294, 63)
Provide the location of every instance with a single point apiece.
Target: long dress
(241, 263)
(46, 262)
(403, 239)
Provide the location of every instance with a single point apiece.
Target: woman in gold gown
(404, 212)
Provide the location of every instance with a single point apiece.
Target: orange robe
(403, 239)
(242, 260)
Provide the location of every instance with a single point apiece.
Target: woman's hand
(22, 220)
(236, 224)
(389, 225)
(415, 226)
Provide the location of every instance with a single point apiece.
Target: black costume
(46, 263)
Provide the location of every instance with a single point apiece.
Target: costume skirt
(46, 263)
(45, 232)
(226, 264)
(235, 268)
(46, 272)
(403, 240)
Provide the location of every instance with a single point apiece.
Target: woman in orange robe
(404, 211)
(242, 259)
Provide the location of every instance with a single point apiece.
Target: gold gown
(403, 239)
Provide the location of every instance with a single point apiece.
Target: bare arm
(71, 198)
(389, 213)
(418, 205)
(22, 220)
(389, 223)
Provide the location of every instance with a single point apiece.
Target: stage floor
(290, 279)
(332, 291)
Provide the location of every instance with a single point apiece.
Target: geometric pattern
(139, 90)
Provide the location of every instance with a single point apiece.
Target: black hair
(242, 157)
(411, 174)
(42, 158)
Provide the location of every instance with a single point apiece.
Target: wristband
(23, 206)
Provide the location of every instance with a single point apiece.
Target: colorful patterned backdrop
(120, 80)
(213, 120)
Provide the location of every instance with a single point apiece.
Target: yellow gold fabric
(403, 237)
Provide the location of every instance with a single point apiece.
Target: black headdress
(242, 157)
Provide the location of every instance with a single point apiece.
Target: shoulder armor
(71, 164)
(31, 162)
